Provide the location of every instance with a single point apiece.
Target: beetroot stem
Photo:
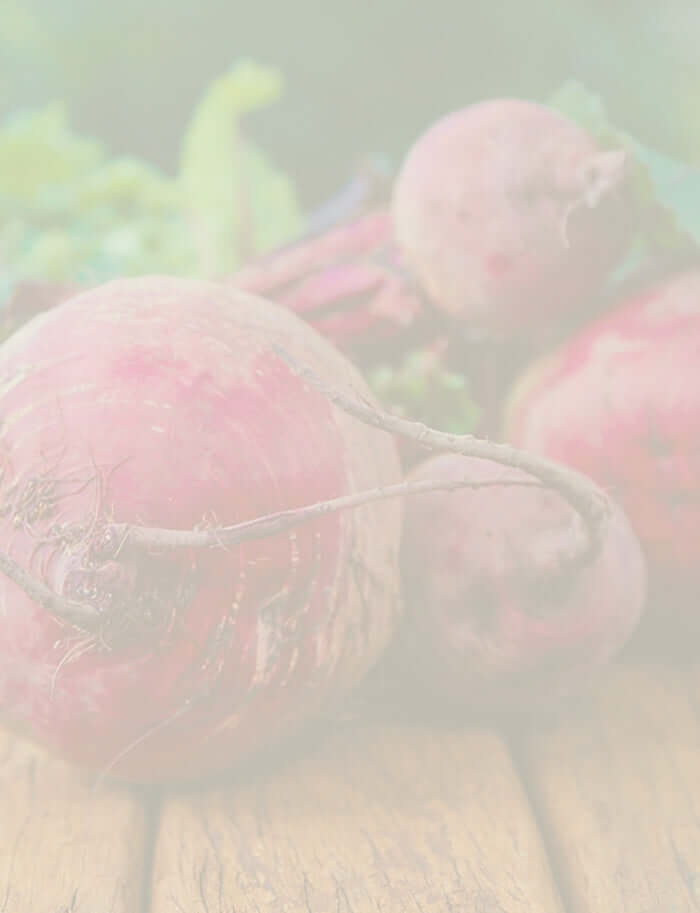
(75, 613)
(83, 615)
(272, 524)
(576, 489)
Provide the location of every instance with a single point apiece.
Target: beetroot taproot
(165, 403)
(620, 401)
(496, 619)
(511, 215)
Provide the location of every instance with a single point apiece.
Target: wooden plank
(400, 819)
(63, 847)
(618, 790)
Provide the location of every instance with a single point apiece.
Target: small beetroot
(621, 402)
(495, 621)
(511, 215)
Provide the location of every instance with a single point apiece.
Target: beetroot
(165, 402)
(494, 619)
(511, 215)
(621, 402)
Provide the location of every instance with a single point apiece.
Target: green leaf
(585, 108)
(38, 150)
(68, 211)
(666, 191)
(677, 187)
(418, 385)
(127, 185)
(234, 195)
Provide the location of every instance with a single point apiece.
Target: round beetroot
(166, 403)
(495, 620)
(511, 215)
(621, 402)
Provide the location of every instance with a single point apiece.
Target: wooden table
(599, 813)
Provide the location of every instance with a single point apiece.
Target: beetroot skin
(489, 626)
(621, 402)
(510, 215)
(164, 402)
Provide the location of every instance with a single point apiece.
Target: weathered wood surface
(398, 818)
(63, 847)
(619, 792)
(404, 820)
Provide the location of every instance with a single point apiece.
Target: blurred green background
(360, 78)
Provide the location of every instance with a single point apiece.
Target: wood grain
(63, 848)
(618, 789)
(401, 820)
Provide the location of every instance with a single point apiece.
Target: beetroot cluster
(144, 418)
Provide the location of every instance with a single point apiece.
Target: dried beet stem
(576, 489)
(143, 537)
(75, 613)
(272, 524)
(580, 492)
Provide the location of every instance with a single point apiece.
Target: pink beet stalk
(348, 283)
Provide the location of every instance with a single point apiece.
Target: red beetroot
(348, 283)
(621, 402)
(163, 402)
(510, 215)
(495, 620)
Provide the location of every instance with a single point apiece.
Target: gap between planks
(403, 817)
(616, 788)
(397, 818)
